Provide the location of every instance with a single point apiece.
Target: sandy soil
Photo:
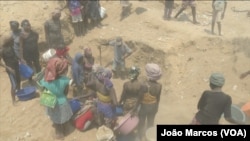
(187, 54)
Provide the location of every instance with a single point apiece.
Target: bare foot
(58, 137)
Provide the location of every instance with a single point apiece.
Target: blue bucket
(118, 110)
(75, 105)
(26, 93)
(25, 70)
(238, 114)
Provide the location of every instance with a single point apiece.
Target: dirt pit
(141, 55)
(241, 44)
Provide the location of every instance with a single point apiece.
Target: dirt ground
(187, 54)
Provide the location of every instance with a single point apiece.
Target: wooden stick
(100, 52)
(82, 96)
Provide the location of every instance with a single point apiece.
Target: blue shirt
(77, 70)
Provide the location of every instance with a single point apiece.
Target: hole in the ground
(142, 54)
(241, 44)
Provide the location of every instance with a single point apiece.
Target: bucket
(75, 105)
(26, 93)
(48, 54)
(238, 114)
(118, 110)
(151, 134)
(25, 70)
(127, 124)
(246, 108)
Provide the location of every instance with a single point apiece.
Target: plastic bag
(104, 134)
(48, 99)
(102, 11)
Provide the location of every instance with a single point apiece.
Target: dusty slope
(186, 52)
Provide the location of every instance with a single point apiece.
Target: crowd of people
(21, 46)
(138, 98)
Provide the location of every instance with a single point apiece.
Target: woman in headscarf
(10, 59)
(29, 45)
(56, 81)
(78, 73)
(106, 95)
(62, 51)
(52, 27)
(88, 60)
(151, 98)
(213, 103)
(132, 92)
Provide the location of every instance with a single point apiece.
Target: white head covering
(153, 71)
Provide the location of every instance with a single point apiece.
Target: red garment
(75, 12)
(81, 120)
(55, 67)
(62, 52)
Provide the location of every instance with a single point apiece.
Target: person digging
(121, 52)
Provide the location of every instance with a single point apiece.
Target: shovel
(83, 96)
